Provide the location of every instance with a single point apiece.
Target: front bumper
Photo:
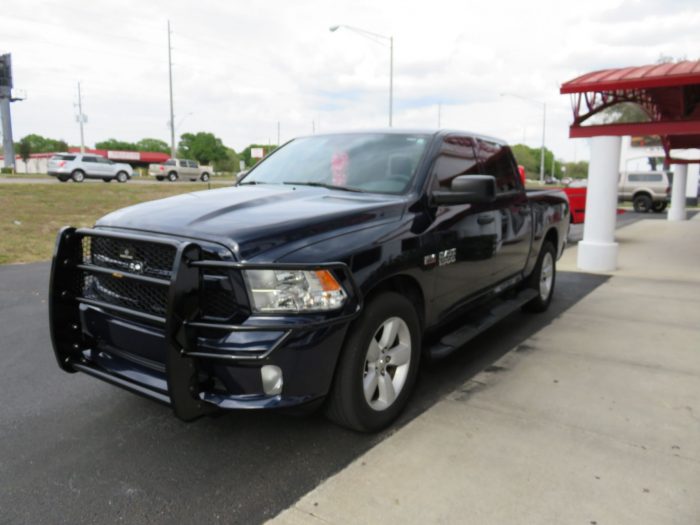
(180, 359)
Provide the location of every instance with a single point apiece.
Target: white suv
(79, 166)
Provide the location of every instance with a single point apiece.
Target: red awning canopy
(642, 77)
(668, 93)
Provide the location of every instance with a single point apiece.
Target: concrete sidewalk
(593, 420)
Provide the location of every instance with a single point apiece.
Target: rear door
(511, 210)
(90, 165)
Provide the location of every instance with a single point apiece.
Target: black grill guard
(182, 319)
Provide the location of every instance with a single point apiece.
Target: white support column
(677, 211)
(597, 252)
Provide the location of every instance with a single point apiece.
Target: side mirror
(468, 189)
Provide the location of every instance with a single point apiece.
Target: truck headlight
(295, 290)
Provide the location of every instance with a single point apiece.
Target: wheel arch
(406, 285)
(642, 192)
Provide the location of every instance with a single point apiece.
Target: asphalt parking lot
(76, 450)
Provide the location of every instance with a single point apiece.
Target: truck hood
(251, 220)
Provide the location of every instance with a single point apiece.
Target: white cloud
(241, 68)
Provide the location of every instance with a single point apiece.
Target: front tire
(378, 365)
(659, 206)
(543, 279)
(205, 177)
(122, 177)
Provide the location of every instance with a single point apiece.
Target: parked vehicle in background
(80, 166)
(647, 190)
(174, 169)
(337, 264)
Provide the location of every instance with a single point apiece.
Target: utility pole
(172, 111)
(5, 116)
(81, 120)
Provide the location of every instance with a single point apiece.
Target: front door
(463, 239)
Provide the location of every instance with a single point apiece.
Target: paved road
(75, 450)
(137, 180)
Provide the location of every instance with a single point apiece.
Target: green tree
(528, 158)
(202, 146)
(39, 144)
(230, 164)
(116, 145)
(153, 145)
(249, 161)
(577, 170)
(24, 149)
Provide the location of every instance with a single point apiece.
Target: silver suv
(80, 166)
(647, 190)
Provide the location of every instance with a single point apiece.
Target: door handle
(485, 219)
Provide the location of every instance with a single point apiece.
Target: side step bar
(455, 340)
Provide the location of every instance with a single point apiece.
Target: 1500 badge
(443, 258)
(447, 256)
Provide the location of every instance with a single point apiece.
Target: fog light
(271, 379)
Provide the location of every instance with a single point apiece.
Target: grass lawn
(32, 214)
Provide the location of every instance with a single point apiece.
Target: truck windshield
(370, 162)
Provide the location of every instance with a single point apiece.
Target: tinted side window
(183, 163)
(192, 164)
(169, 163)
(103, 160)
(456, 157)
(89, 159)
(63, 157)
(634, 178)
(497, 160)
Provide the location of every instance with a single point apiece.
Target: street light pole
(391, 79)
(376, 37)
(170, 85)
(544, 125)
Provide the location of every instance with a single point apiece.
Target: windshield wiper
(250, 182)
(324, 185)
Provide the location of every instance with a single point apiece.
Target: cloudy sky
(242, 67)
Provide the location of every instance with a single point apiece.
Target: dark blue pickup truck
(335, 267)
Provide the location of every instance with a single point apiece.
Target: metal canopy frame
(668, 93)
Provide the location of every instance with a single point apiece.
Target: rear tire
(106, 180)
(160, 177)
(63, 179)
(78, 176)
(205, 177)
(172, 176)
(659, 206)
(543, 279)
(378, 365)
(642, 203)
